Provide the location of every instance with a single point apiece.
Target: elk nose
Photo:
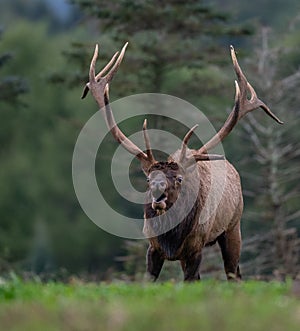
(158, 188)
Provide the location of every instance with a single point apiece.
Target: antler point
(237, 90)
(145, 124)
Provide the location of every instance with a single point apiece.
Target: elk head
(165, 179)
(164, 182)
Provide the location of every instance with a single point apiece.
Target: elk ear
(190, 166)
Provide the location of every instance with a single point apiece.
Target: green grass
(208, 305)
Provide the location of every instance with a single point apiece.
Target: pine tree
(11, 86)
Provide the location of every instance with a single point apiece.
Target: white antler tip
(237, 90)
(124, 47)
(145, 124)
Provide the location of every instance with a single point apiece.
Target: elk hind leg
(230, 244)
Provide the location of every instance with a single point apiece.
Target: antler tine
(109, 64)
(99, 87)
(242, 80)
(242, 106)
(254, 102)
(92, 77)
(92, 71)
(147, 143)
(116, 66)
(110, 74)
(186, 139)
(261, 104)
(202, 157)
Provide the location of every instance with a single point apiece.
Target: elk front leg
(191, 267)
(155, 261)
(230, 244)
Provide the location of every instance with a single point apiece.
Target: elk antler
(99, 87)
(147, 143)
(242, 106)
(185, 140)
(188, 161)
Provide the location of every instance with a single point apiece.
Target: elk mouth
(159, 203)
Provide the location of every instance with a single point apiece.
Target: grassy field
(208, 305)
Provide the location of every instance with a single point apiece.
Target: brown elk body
(186, 240)
(194, 198)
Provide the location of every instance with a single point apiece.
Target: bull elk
(175, 231)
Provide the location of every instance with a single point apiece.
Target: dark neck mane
(170, 238)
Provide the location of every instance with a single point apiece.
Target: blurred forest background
(176, 47)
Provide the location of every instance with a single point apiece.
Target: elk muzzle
(158, 188)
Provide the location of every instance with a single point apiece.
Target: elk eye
(148, 179)
(179, 179)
